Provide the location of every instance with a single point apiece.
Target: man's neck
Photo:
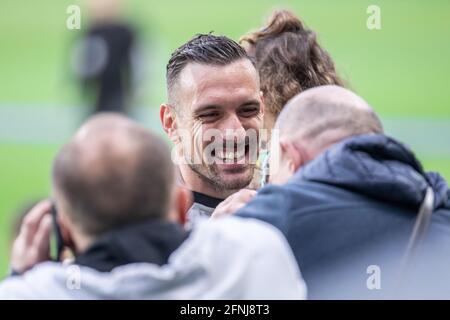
(82, 242)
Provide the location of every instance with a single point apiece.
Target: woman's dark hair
(289, 59)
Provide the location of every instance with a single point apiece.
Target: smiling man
(213, 116)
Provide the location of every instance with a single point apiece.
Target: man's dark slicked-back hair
(204, 49)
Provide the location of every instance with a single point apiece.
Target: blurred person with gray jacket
(121, 213)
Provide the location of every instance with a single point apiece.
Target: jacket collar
(149, 241)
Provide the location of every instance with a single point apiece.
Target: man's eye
(209, 115)
(249, 112)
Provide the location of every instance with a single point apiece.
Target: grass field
(403, 70)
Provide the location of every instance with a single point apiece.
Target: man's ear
(168, 121)
(65, 226)
(292, 154)
(184, 201)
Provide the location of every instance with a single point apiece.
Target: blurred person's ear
(184, 201)
(168, 121)
(67, 232)
(291, 158)
(294, 154)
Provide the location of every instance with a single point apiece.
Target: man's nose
(233, 129)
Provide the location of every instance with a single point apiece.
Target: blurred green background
(403, 70)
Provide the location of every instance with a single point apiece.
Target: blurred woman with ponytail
(289, 60)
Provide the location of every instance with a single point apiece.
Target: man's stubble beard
(213, 179)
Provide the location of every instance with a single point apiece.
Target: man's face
(223, 105)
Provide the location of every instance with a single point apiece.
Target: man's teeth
(230, 155)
